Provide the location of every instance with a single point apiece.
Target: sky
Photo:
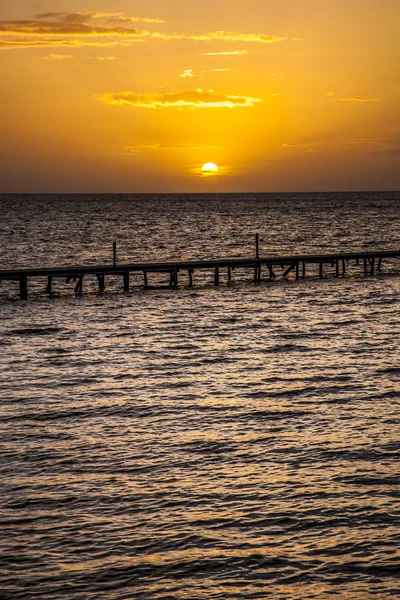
(118, 96)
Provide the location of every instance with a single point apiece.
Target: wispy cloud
(220, 70)
(72, 56)
(139, 149)
(188, 73)
(230, 36)
(62, 43)
(59, 57)
(119, 17)
(231, 53)
(352, 98)
(63, 28)
(192, 99)
(358, 99)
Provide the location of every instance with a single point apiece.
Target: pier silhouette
(262, 268)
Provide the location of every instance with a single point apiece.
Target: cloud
(63, 28)
(121, 19)
(62, 43)
(192, 99)
(46, 28)
(118, 17)
(187, 73)
(230, 36)
(233, 53)
(358, 99)
(156, 147)
(58, 57)
(352, 98)
(72, 56)
(220, 70)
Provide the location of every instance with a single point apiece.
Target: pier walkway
(261, 268)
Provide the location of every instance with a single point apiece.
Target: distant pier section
(261, 268)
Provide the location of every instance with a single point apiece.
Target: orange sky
(295, 95)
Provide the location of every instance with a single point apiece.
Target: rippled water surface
(232, 442)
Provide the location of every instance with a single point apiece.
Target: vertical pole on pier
(365, 266)
(216, 277)
(229, 275)
(337, 268)
(114, 254)
(126, 281)
(321, 272)
(49, 283)
(23, 287)
(304, 269)
(297, 270)
(344, 268)
(379, 264)
(257, 246)
(190, 272)
(145, 278)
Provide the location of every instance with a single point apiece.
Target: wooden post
(372, 266)
(23, 287)
(126, 281)
(100, 279)
(259, 273)
(344, 268)
(256, 274)
(145, 278)
(79, 286)
(114, 254)
(337, 268)
(49, 282)
(286, 273)
(229, 275)
(379, 264)
(216, 277)
(190, 272)
(271, 272)
(257, 246)
(321, 270)
(304, 269)
(365, 266)
(297, 270)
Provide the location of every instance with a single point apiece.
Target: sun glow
(209, 169)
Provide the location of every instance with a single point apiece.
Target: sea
(231, 442)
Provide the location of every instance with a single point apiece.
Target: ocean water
(205, 443)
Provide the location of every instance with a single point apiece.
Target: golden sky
(122, 96)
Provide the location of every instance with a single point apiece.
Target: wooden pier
(261, 268)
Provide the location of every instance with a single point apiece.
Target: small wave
(34, 331)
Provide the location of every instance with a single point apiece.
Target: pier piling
(23, 287)
(126, 281)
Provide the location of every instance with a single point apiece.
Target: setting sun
(209, 169)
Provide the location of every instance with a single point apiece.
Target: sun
(209, 169)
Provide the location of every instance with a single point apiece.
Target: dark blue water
(231, 442)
